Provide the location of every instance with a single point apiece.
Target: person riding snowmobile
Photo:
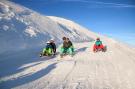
(52, 43)
(98, 45)
(47, 51)
(67, 47)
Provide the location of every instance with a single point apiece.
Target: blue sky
(113, 18)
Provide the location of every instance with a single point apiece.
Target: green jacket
(98, 42)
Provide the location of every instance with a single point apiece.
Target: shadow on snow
(28, 78)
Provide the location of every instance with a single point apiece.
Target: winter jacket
(53, 47)
(98, 43)
(65, 44)
(48, 46)
(69, 44)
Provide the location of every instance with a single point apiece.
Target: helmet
(98, 38)
(48, 42)
(51, 40)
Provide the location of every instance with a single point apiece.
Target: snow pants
(47, 51)
(67, 50)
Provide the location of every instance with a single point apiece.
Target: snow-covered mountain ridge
(23, 28)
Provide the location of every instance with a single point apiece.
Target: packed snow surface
(114, 69)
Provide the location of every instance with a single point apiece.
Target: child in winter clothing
(70, 45)
(98, 45)
(67, 47)
(53, 46)
(47, 51)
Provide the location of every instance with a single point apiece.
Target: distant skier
(52, 43)
(67, 47)
(47, 51)
(98, 46)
